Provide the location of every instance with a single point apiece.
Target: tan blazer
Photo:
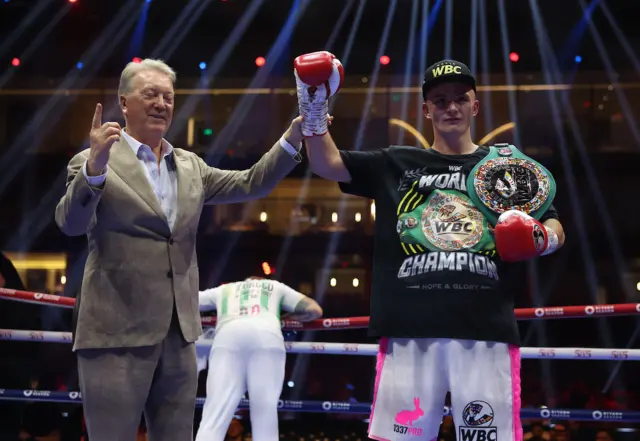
(136, 267)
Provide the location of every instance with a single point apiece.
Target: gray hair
(132, 68)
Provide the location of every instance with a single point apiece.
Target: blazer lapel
(184, 171)
(125, 164)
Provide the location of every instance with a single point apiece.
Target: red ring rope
(619, 309)
(37, 297)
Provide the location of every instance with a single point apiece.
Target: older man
(138, 199)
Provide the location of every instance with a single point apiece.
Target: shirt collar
(167, 148)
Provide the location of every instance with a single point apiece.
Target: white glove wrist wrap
(314, 109)
(552, 241)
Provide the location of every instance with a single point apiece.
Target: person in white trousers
(248, 353)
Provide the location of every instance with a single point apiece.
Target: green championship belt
(447, 221)
(507, 179)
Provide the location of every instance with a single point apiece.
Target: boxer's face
(148, 106)
(450, 106)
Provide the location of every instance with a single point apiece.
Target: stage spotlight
(203, 65)
(578, 59)
(385, 60)
(15, 62)
(137, 60)
(71, 1)
(514, 57)
(260, 61)
(80, 65)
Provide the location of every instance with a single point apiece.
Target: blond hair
(132, 68)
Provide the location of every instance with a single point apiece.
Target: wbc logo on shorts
(478, 417)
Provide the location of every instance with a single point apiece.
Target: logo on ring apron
(478, 417)
(509, 180)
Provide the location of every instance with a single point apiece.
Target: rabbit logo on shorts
(478, 417)
(406, 418)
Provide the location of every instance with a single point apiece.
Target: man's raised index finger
(97, 117)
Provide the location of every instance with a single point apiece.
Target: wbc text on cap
(444, 71)
(446, 68)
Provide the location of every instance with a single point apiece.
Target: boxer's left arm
(230, 186)
(520, 237)
(556, 226)
(550, 219)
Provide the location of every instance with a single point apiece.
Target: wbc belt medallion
(509, 180)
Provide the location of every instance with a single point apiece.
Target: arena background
(560, 79)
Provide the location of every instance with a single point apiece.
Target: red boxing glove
(319, 75)
(521, 237)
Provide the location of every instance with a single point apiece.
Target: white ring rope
(357, 348)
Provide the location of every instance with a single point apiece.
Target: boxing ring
(356, 349)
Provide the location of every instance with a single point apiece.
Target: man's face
(451, 106)
(148, 107)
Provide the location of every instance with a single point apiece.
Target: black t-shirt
(436, 272)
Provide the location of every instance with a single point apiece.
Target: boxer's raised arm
(325, 159)
(319, 76)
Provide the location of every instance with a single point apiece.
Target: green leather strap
(507, 179)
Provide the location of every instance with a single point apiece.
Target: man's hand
(294, 135)
(319, 75)
(521, 237)
(101, 138)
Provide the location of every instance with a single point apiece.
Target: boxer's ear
(476, 108)
(425, 110)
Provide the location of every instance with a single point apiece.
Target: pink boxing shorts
(414, 375)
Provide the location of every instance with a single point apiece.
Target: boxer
(248, 353)
(448, 218)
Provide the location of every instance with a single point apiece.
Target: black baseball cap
(447, 71)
